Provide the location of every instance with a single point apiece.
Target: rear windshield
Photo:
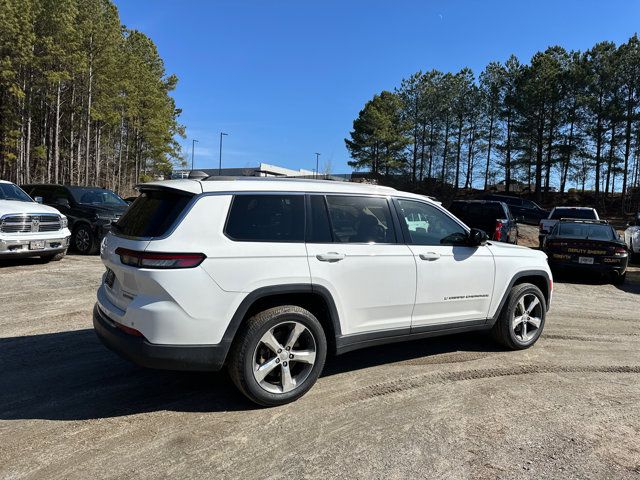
(581, 213)
(152, 213)
(585, 231)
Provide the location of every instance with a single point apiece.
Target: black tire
(619, 279)
(241, 358)
(83, 240)
(503, 331)
(56, 257)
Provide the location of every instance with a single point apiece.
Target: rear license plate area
(585, 260)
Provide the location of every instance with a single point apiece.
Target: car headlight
(64, 223)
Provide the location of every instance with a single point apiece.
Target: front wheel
(522, 318)
(84, 240)
(278, 356)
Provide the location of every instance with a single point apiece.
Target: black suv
(90, 211)
(529, 211)
(492, 217)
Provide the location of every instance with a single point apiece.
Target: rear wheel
(522, 317)
(278, 356)
(619, 279)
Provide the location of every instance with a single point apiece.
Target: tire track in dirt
(419, 381)
(589, 338)
(444, 358)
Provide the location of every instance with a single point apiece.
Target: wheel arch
(315, 298)
(539, 278)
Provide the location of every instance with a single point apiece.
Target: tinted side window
(266, 218)
(437, 228)
(45, 192)
(318, 227)
(361, 219)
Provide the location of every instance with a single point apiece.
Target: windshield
(581, 213)
(585, 231)
(97, 196)
(9, 191)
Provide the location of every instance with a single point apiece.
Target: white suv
(266, 277)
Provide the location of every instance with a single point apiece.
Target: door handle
(330, 257)
(429, 256)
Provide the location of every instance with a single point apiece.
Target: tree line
(83, 99)
(565, 119)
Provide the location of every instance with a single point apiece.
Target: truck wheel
(278, 355)
(56, 257)
(522, 317)
(84, 240)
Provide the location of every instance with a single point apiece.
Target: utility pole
(193, 148)
(317, 159)
(220, 161)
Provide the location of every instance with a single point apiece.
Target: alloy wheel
(284, 357)
(527, 317)
(83, 240)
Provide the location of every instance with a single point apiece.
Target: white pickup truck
(29, 229)
(547, 224)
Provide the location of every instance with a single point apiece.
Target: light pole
(317, 159)
(220, 164)
(193, 148)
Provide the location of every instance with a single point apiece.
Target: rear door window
(266, 218)
(357, 219)
(152, 213)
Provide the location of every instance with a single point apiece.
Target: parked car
(558, 213)
(90, 211)
(530, 212)
(592, 245)
(28, 229)
(632, 237)
(266, 277)
(491, 216)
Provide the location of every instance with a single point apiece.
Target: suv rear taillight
(498, 233)
(137, 259)
(620, 252)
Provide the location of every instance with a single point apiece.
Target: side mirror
(38, 199)
(477, 237)
(62, 202)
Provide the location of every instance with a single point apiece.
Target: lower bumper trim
(165, 357)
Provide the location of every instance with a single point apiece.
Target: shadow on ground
(72, 376)
(631, 284)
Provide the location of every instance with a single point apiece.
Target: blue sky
(285, 79)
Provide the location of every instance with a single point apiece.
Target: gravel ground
(450, 407)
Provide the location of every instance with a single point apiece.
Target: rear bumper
(618, 268)
(165, 357)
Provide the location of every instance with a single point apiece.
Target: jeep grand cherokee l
(266, 277)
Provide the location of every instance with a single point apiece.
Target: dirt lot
(453, 407)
